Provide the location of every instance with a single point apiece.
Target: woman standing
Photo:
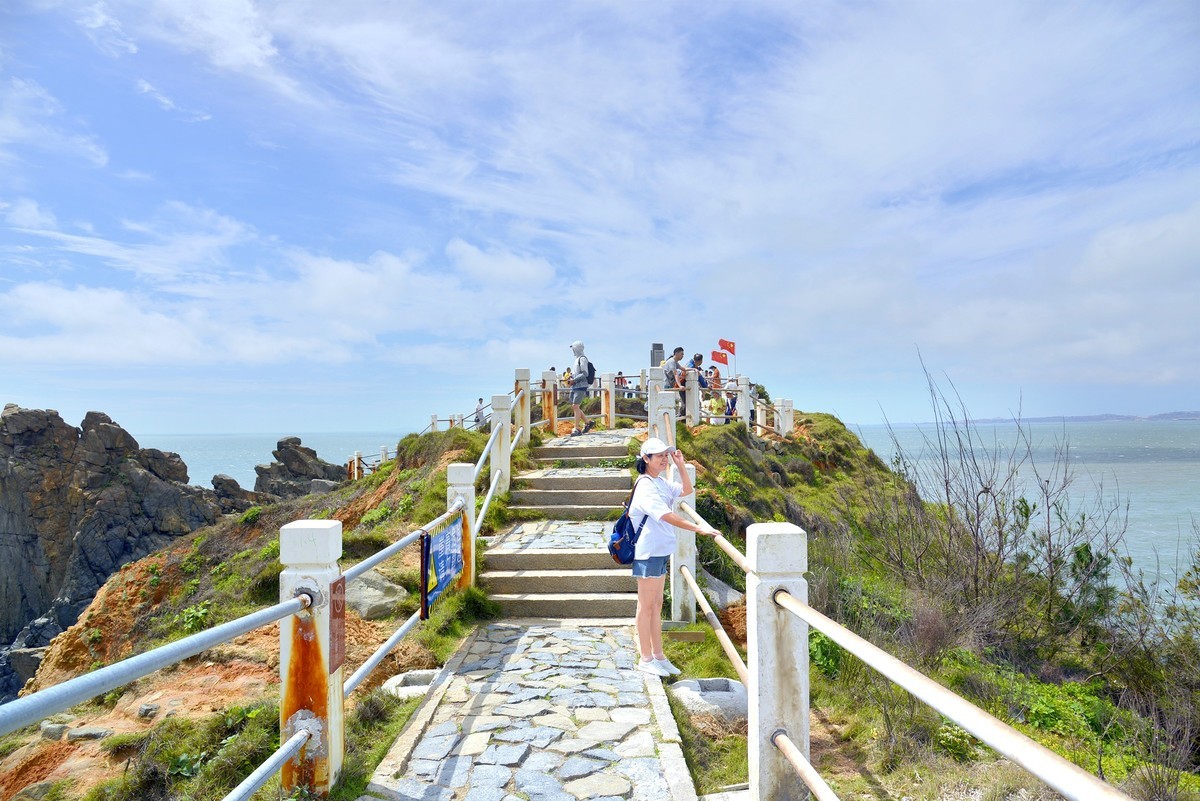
(653, 500)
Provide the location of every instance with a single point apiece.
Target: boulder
(234, 499)
(294, 468)
(25, 661)
(373, 596)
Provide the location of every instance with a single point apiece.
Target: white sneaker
(653, 668)
(665, 665)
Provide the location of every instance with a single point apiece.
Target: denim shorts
(578, 394)
(652, 567)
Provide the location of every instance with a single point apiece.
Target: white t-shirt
(654, 497)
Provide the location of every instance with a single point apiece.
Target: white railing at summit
(775, 562)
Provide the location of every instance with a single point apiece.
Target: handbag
(623, 540)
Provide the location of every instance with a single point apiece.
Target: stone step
(571, 460)
(528, 498)
(574, 512)
(568, 605)
(581, 451)
(548, 559)
(595, 478)
(614, 578)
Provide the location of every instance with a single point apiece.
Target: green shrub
(250, 516)
(376, 516)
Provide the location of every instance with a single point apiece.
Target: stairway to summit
(559, 567)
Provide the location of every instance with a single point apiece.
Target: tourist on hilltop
(651, 507)
(714, 377)
(579, 388)
(479, 414)
(673, 372)
(621, 383)
(697, 365)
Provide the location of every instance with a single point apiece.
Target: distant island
(1097, 418)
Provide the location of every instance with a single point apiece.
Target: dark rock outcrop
(294, 468)
(75, 505)
(233, 498)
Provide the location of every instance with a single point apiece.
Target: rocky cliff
(75, 505)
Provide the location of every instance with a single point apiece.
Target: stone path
(544, 711)
(560, 535)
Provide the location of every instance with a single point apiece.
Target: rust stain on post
(307, 688)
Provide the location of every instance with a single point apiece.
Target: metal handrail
(727, 645)
(725, 545)
(487, 500)
(487, 451)
(1075, 783)
(22, 712)
(351, 573)
(808, 774)
(516, 437)
(351, 684)
(517, 398)
(262, 774)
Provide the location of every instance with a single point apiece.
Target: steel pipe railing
(487, 501)
(487, 450)
(727, 645)
(516, 437)
(1075, 783)
(808, 774)
(357, 570)
(22, 712)
(725, 545)
(351, 684)
(263, 773)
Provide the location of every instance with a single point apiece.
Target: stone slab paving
(578, 472)
(539, 711)
(540, 535)
(619, 436)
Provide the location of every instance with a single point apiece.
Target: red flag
(718, 356)
(725, 344)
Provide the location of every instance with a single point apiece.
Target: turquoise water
(1154, 466)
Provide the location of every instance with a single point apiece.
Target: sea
(1150, 466)
(1153, 466)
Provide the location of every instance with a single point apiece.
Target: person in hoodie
(579, 388)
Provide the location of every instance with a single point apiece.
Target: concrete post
(549, 406)
(357, 465)
(659, 401)
(778, 649)
(501, 458)
(382, 456)
(311, 650)
(460, 482)
(691, 412)
(608, 399)
(785, 417)
(521, 414)
(743, 400)
(760, 416)
(433, 422)
(683, 603)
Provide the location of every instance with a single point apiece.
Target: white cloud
(499, 267)
(26, 213)
(104, 31)
(30, 119)
(167, 104)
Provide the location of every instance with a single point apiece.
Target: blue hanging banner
(441, 562)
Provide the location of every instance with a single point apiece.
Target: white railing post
(433, 422)
(357, 465)
(683, 602)
(311, 650)
(788, 413)
(659, 401)
(743, 402)
(382, 456)
(549, 407)
(521, 416)
(460, 483)
(608, 399)
(760, 416)
(501, 456)
(778, 644)
(691, 411)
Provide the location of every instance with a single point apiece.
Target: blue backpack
(624, 537)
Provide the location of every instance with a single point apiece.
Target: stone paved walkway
(544, 711)
(553, 534)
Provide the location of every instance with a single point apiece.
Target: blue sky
(297, 216)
